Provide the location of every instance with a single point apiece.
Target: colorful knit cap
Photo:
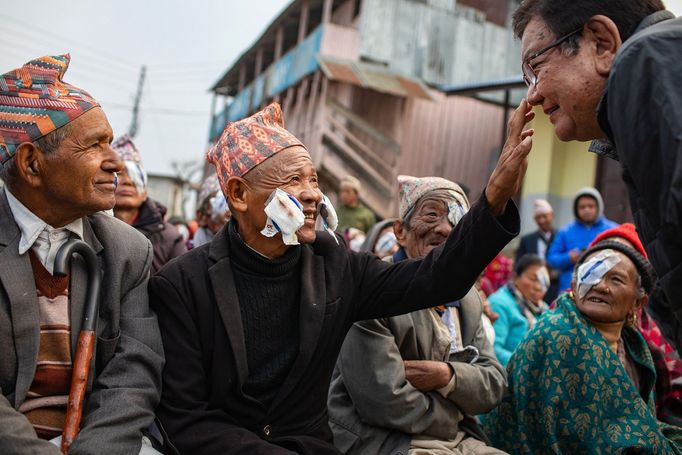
(413, 188)
(126, 149)
(34, 101)
(625, 231)
(130, 155)
(247, 143)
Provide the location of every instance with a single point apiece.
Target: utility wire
(154, 110)
(98, 53)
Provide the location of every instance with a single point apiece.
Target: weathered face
(587, 209)
(544, 221)
(569, 88)
(292, 171)
(615, 296)
(127, 196)
(78, 178)
(427, 228)
(529, 283)
(348, 196)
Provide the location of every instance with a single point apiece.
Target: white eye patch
(327, 215)
(218, 206)
(592, 271)
(455, 212)
(137, 175)
(285, 215)
(543, 277)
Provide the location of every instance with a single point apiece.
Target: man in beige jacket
(412, 383)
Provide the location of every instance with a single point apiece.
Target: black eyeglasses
(529, 76)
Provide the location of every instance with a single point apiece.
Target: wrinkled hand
(507, 177)
(427, 375)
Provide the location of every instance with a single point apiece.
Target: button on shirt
(40, 236)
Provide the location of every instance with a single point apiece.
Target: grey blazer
(374, 409)
(125, 378)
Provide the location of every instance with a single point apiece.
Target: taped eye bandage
(543, 277)
(592, 272)
(327, 215)
(455, 212)
(218, 206)
(137, 175)
(285, 215)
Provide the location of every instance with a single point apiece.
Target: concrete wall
(169, 191)
(439, 41)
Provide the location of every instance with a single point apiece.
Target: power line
(98, 53)
(93, 75)
(153, 110)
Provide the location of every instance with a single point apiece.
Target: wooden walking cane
(86, 337)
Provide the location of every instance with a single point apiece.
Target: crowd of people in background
(286, 319)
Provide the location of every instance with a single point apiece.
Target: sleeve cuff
(450, 387)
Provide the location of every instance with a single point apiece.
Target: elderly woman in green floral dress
(581, 382)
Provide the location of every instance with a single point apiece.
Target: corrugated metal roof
(372, 76)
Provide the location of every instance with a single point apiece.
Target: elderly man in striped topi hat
(60, 174)
(253, 321)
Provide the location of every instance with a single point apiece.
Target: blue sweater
(510, 327)
(573, 236)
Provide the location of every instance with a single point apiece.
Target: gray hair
(47, 144)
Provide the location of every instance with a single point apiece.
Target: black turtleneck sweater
(269, 300)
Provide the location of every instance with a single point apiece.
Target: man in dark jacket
(253, 322)
(538, 242)
(610, 71)
(59, 174)
(135, 207)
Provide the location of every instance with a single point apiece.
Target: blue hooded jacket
(576, 236)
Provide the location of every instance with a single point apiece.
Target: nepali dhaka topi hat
(35, 101)
(248, 142)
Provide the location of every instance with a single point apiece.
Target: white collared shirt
(37, 234)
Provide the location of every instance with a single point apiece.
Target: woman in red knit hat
(667, 361)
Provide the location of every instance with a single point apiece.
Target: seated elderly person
(212, 213)
(253, 321)
(136, 208)
(668, 389)
(412, 383)
(582, 379)
(60, 173)
(518, 304)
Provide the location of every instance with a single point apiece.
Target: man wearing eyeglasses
(611, 71)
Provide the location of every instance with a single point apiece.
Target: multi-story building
(365, 85)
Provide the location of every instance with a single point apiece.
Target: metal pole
(136, 107)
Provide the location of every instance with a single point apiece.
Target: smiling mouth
(594, 299)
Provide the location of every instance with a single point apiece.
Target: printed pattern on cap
(34, 101)
(248, 142)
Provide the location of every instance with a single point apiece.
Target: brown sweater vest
(45, 404)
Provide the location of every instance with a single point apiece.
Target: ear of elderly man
(59, 173)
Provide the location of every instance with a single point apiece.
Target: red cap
(625, 231)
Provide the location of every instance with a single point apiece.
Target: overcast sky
(186, 46)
